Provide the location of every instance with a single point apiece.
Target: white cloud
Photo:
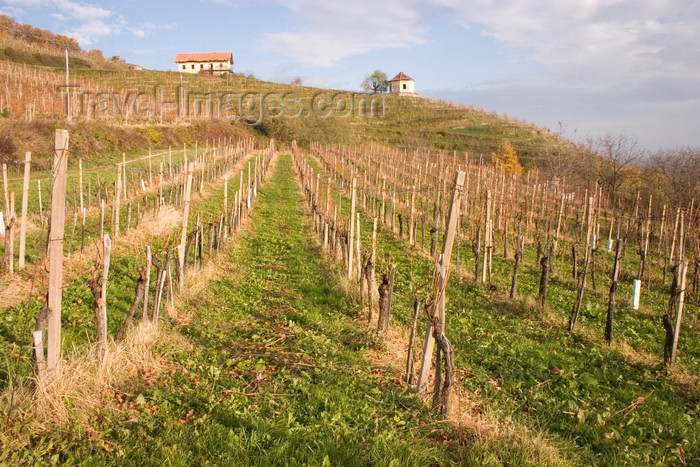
(600, 57)
(11, 11)
(332, 31)
(604, 41)
(146, 28)
(81, 11)
(87, 33)
(87, 22)
(76, 10)
(596, 41)
(84, 22)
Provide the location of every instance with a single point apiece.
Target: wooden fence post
(10, 235)
(38, 345)
(117, 200)
(183, 233)
(124, 186)
(487, 239)
(41, 207)
(101, 318)
(357, 248)
(6, 193)
(58, 212)
(448, 240)
(611, 297)
(80, 181)
(683, 269)
(352, 226)
(144, 315)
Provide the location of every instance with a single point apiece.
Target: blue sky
(591, 66)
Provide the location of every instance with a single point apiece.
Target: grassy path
(274, 372)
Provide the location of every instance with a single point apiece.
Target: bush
(7, 150)
(306, 130)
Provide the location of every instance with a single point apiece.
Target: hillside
(31, 75)
(238, 272)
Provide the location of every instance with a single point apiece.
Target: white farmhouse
(402, 84)
(210, 62)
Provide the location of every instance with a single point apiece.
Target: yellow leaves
(507, 158)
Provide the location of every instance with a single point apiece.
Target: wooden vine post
(144, 314)
(183, 233)
(682, 271)
(613, 288)
(58, 212)
(117, 200)
(5, 192)
(25, 199)
(41, 206)
(101, 318)
(573, 317)
(352, 226)
(555, 242)
(411, 237)
(438, 309)
(487, 240)
(10, 235)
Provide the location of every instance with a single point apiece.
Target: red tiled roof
(402, 77)
(205, 57)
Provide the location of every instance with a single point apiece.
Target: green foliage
(377, 82)
(598, 404)
(307, 129)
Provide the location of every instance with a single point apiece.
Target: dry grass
(81, 384)
(82, 387)
(474, 424)
(13, 290)
(162, 222)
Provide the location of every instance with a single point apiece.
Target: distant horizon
(629, 68)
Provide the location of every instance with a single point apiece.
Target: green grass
(273, 372)
(524, 365)
(17, 322)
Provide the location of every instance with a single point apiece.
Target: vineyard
(527, 315)
(189, 289)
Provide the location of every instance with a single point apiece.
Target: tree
(96, 54)
(376, 82)
(617, 154)
(508, 159)
(680, 173)
(562, 159)
(7, 149)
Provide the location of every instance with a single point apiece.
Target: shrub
(7, 149)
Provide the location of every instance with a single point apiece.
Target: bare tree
(562, 159)
(617, 154)
(680, 173)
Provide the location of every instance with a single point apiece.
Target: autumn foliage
(507, 158)
(36, 36)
